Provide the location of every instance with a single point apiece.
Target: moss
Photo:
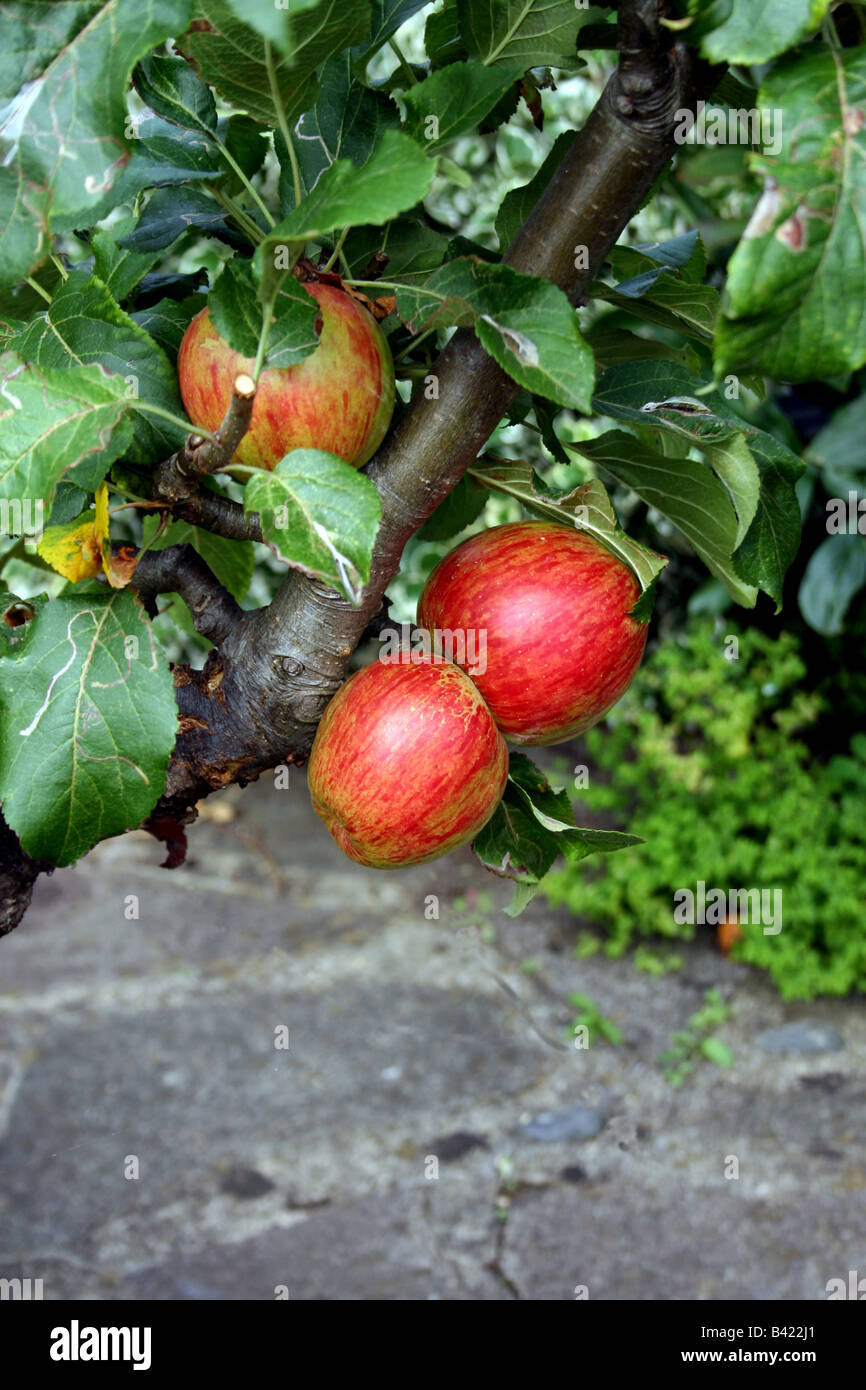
(706, 759)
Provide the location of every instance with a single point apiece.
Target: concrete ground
(285, 1076)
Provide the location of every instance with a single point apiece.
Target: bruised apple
(407, 762)
(340, 398)
(549, 607)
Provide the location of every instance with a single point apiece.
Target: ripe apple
(552, 606)
(407, 762)
(340, 398)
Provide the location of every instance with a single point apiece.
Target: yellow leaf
(72, 549)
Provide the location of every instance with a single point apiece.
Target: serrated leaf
(387, 16)
(230, 55)
(95, 713)
(682, 489)
(72, 136)
(587, 507)
(463, 505)
(24, 239)
(347, 122)
(532, 826)
(796, 288)
(394, 178)
(525, 323)
(237, 316)
(53, 421)
(839, 449)
(168, 319)
(320, 515)
(411, 248)
(533, 33)
(519, 202)
(752, 31)
(454, 100)
(83, 324)
(171, 88)
(119, 269)
(169, 212)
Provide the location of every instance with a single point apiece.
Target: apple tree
(246, 159)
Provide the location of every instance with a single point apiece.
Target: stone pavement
(159, 1140)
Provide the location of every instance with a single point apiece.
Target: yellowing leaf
(72, 549)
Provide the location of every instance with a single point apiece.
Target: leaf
(525, 323)
(533, 33)
(835, 573)
(51, 421)
(237, 316)
(411, 250)
(83, 324)
(119, 269)
(86, 699)
(663, 285)
(454, 100)
(320, 515)
(768, 520)
(169, 212)
(230, 55)
(168, 319)
(463, 505)
(272, 22)
(532, 826)
(387, 17)
(24, 240)
(518, 204)
(394, 178)
(71, 137)
(171, 88)
(684, 490)
(717, 1052)
(347, 122)
(586, 507)
(752, 31)
(795, 299)
(73, 549)
(232, 562)
(839, 449)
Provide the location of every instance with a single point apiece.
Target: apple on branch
(339, 399)
(554, 605)
(407, 762)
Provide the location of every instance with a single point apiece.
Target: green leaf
(387, 17)
(525, 323)
(72, 135)
(119, 269)
(84, 324)
(168, 319)
(347, 122)
(232, 562)
(518, 204)
(272, 22)
(411, 250)
(171, 88)
(24, 239)
(586, 507)
(663, 285)
(533, 33)
(839, 449)
(51, 421)
(230, 55)
(237, 316)
(684, 490)
(320, 515)
(717, 1052)
(463, 505)
(454, 100)
(767, 521)
(532, 826)
(835, 573)
(796, 288)
(168, 213)
(752, 31)
(87, 700)
(394, 178)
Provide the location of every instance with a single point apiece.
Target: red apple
(552, 606)
(340, 398)
(407, 762)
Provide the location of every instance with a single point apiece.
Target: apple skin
(407, 763)
(554, 603)
(340, 398)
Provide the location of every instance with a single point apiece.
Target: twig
(177, 478)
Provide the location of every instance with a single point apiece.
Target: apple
(549, 609)
(407, 762)
(340, 398)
